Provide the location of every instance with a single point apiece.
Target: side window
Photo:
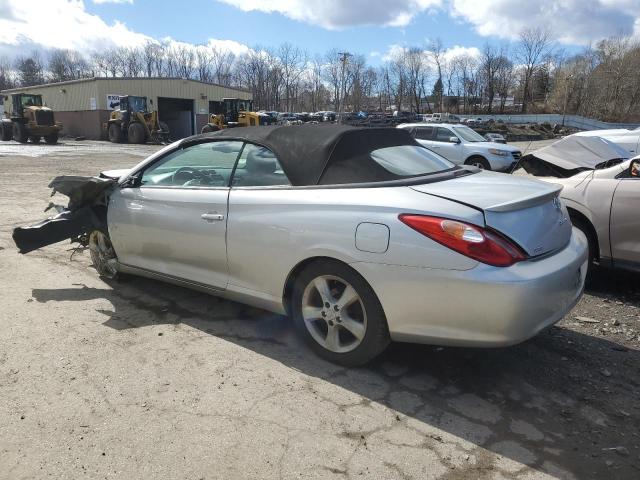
(258, 167)
(423, 133)
(443, 134)
(203, 165)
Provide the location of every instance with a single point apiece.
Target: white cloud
(46, 24)
(338, 14)
(448, 54)
(99, 2)
(576, 22)
(60, 24)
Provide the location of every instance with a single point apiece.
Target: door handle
(212, 217)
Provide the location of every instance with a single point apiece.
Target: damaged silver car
(363, 236)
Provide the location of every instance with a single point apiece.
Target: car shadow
(561, 402)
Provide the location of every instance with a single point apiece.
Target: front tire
(479, 162)
(103, 256)
(20, 133)
(136, 133)
(115, 133)
(338, 314)
(35, 138)
(591, 241)
(7, 132)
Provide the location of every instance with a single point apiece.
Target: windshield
(469, 135)
(138, 104)
(31, 101)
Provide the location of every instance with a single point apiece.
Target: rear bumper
(482, 307)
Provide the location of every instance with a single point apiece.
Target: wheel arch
(475, 155)
(287, 291)
(577, 216)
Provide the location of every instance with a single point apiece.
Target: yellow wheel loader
(133, 123)
(28, 119)
(237, 113)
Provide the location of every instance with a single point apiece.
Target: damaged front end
(85, 213)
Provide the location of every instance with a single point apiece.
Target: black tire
(581, 225)
(208, 128)
(376, 335)
(7, 131)
(479, 162)
(20, 133)
(115, 133)
(35, 138)
(51, 139)
(136, 133)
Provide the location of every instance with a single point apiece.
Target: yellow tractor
(29, 119)
(237, 113)
(132, 122)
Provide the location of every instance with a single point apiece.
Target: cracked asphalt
(139, 379)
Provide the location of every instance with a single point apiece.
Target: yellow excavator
(237, 113)
(28, 119)
(133, 122)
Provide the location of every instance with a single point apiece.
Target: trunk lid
(527, 211)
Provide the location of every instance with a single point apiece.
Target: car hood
(526, 210)
(114, 174)
(605, 133)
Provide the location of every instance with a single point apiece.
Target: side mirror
(454, 140)
(131, 182)
(634, 169)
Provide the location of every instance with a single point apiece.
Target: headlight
(500, 153)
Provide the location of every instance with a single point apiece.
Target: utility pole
(344, 56)
(566, 98)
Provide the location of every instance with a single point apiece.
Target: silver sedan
(362, 236)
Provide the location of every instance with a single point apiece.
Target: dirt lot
(140, 379)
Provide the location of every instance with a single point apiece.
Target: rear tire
(35, 138)
(329, 334)
(7, 132)
(479, 162)
(20, 133)
(136, 133)
(51, 139)
(115, 133)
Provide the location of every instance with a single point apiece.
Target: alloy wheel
(334, 313)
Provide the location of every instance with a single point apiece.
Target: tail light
(470, 240)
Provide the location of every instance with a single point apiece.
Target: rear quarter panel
(270, 231)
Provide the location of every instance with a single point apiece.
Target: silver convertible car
(362, 236)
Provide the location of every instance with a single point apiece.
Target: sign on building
(113, 102)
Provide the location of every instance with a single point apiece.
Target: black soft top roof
(305, 151)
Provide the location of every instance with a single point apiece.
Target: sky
(370, 27)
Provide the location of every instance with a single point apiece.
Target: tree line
(532, 75)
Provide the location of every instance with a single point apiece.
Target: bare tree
(30, 70)
(535, 44)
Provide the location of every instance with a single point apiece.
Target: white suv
(461, 145)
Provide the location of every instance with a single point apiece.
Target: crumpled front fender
(87, 211)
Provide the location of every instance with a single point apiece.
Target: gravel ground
(139, 379)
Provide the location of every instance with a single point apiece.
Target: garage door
(178, 114)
